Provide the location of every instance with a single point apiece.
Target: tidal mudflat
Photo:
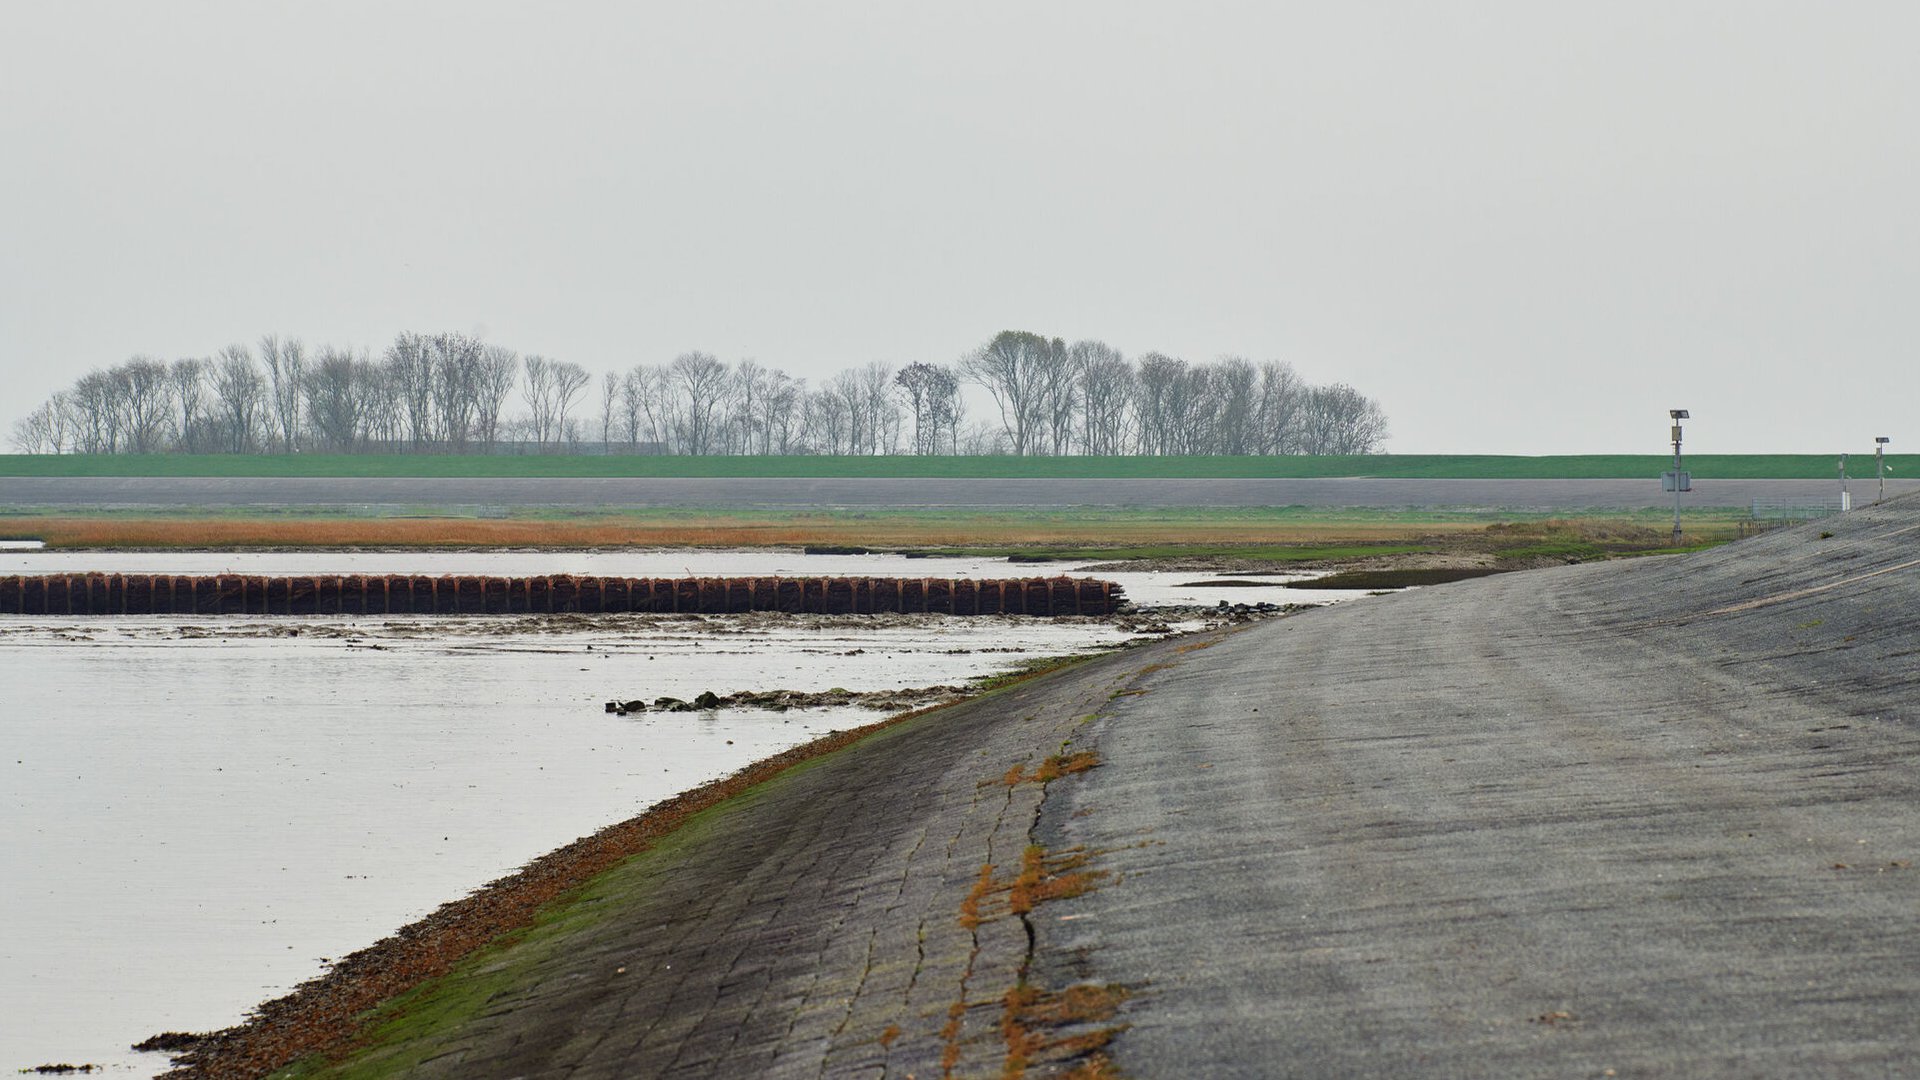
(201, 812)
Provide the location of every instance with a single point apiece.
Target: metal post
(1679, 483)
(1846, 500)
(1880, 465)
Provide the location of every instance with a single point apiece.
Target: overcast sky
(1523, 227)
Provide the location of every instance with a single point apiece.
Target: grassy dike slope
(1395, 466)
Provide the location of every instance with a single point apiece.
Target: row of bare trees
(452, 393)
(1086, 398)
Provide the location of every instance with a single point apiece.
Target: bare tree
(286, 363)
(633, 390)
(149, 405)
(700, 380)
(1154, 401)
(409, 364)
(188, 383)
(657, 405)
(983, 439)
(1014, 368)
(845, 388)
(1338, 419)
(1276, 405)
(609, 400)
(932, 391)
(749, 382)
(42, 431)
(537, 389)
(1057, 403)
(458, 368)
(59, 425)
(239, 390)
(1105, 383)
(95, 409)
(777, 412)
(827, 422)
(337, 392)
(568, 380)
(1189, 403)
(881, 404)
(383, 414)
(499, 368)
(1233, 398)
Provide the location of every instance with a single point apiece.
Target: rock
(169, 1040)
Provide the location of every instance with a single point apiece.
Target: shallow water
(198, 812)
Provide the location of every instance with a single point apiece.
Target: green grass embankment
(1394, 466)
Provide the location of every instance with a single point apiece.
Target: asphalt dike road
(838, 920)
(1649, 818)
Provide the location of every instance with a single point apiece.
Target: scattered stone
(169, 1040)
(783, 700)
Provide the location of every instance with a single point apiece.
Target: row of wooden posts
(421, 594)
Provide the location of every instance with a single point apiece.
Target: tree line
(453, 393)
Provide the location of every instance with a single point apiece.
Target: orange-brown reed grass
(708, 531)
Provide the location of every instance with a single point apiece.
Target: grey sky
(1524, 227)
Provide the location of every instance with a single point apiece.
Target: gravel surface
(1644, 818)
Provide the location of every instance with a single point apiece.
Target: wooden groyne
(422, 594)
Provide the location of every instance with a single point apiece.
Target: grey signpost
(1880, 465)
(1678, 479)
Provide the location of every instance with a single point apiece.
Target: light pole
(1880, 464)
(1846, 498)
(1677, 481)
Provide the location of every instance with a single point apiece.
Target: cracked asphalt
(1653, 817)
